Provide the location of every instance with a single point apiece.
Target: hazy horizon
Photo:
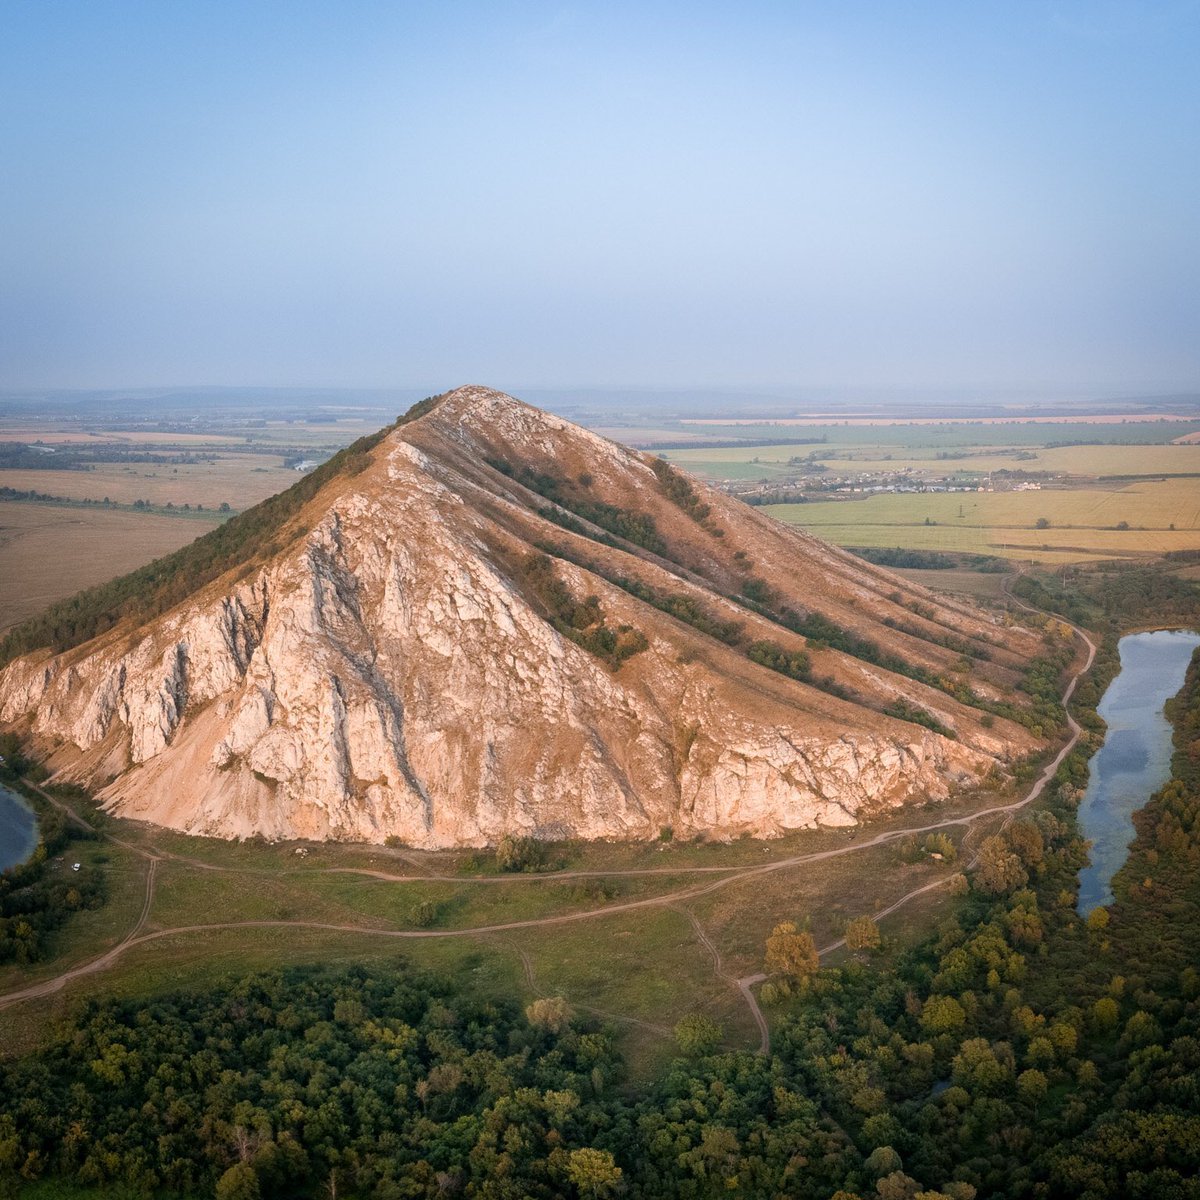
(991, 198)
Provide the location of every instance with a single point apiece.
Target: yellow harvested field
(238, 480)
(947, 540)
(1082, 521)
(48, 552)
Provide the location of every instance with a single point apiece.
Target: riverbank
(1135, 759)
(18, 829)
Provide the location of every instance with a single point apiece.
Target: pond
(1135, 760)
(18, 829)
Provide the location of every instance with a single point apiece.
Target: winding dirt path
(732, 874)
(742, 985)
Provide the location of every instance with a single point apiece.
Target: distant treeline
(929, 560)
(69, 456)
(778, 496)
(1164, 440)
(34, 497)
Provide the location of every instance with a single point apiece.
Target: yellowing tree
(790, 952)
(999, 869)
(863, 934)
(593, 1172)
(552, 1013)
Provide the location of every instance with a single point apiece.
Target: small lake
(1135, 760)
(18, 829)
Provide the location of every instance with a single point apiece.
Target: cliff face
(462, 641)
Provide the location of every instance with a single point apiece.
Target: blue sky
(647, 194)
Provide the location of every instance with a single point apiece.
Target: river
(1135, 760)
(18, 829)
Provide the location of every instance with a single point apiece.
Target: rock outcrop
(506, 624)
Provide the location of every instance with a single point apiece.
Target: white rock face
(385, 675)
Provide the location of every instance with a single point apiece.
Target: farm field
(1082, 521)
(48, 551)
(985, 585)
(952, 434)
(755, 462)
(239, 433)
(881, 420)
(238, 480)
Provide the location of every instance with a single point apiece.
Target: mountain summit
(486, 620)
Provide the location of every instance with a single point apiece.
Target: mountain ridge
(498, 622)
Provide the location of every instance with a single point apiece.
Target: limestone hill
(487, 620)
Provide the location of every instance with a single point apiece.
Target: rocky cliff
(498, 622)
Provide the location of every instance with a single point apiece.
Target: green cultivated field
(1082, 521)
(1087, 490)
(753, 462)
(952, 435)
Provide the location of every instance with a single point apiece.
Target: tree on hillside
(791, 952)
(697, 1035)
(862, 934)
(1000, 870)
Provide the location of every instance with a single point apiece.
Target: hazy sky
(646, 193)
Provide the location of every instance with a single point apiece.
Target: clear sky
(881, 194)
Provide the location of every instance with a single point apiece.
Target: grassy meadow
(628, 949)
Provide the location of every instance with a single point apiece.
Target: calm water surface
(1135, 760)
(18, 829)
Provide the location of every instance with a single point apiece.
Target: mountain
(486, 620)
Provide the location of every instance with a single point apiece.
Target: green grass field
(1082, 521)
(641, 968)
(953, 434)
(754, 462)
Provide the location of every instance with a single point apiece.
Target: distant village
(804, 485)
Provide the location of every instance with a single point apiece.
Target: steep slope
(493, 621)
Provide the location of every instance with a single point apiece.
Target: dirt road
(136, 936)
